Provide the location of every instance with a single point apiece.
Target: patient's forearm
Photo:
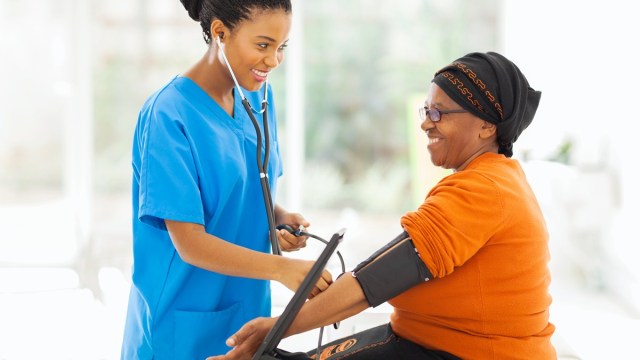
(344, 298)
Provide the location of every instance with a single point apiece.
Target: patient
(469, 277)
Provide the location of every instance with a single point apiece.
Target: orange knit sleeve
(458, 216)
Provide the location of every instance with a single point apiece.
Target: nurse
(201, 261)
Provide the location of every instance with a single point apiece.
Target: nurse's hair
(230, 12)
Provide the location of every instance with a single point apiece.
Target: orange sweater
(482, 234)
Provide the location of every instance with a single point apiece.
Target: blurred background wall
(75, 72)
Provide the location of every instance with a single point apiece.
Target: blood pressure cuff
(392, 270)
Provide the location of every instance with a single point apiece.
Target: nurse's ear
(218, 30)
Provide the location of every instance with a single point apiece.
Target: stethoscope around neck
(263, 161)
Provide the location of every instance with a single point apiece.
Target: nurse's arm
(198, 248)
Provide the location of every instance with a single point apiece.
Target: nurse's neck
(213, 77)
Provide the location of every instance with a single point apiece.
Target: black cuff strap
(392, 270)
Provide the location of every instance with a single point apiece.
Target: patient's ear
(488, 130)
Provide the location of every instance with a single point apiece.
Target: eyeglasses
(434, 114)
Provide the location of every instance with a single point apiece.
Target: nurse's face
(256, 46)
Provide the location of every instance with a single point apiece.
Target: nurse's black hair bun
(230, 12)
(194, 7)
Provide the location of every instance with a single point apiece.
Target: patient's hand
(246, 341)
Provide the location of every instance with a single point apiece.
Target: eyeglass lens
(433, 114)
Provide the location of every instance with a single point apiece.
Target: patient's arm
(391, 270)
(344, 298)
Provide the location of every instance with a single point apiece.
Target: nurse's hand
(288, 241)
(293, 275)
(246, 341)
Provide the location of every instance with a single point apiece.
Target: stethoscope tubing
(263, 164)
(263, 161)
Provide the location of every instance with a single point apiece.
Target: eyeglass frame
(424, 111)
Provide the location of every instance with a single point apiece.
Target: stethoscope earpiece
(217, 38)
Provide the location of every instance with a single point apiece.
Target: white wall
(581, 56)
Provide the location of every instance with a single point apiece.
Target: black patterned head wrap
(491, 87)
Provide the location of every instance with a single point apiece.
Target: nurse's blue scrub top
(192, 162)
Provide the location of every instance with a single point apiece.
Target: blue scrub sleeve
(168, 175)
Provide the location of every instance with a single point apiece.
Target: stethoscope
(263, 161)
